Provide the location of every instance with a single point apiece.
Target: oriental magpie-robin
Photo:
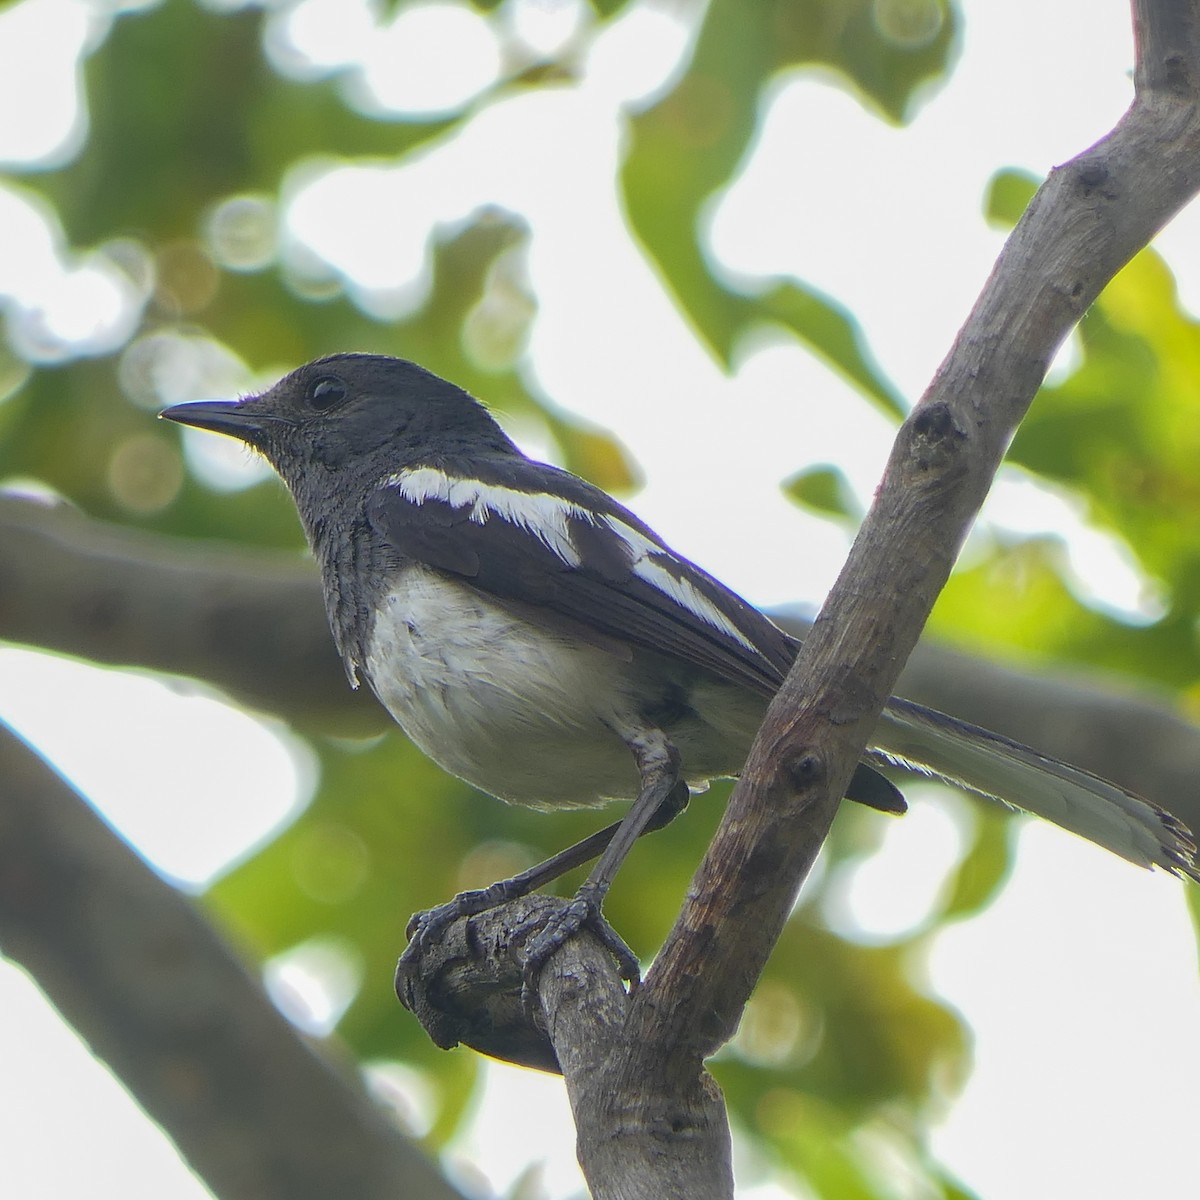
(536, 639)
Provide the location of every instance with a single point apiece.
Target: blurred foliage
(843, 1049)
(824, 490)
(691, 143)
(1008, 195)
(1120, 434)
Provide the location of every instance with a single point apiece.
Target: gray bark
(143, 975)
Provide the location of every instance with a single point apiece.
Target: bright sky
(1080, 983)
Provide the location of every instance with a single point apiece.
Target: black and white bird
(536, 639)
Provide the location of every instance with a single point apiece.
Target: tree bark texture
(144, 977)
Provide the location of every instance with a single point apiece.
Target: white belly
(504, 705)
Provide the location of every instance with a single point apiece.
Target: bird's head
(351, 416)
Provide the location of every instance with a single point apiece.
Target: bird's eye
(326, 393)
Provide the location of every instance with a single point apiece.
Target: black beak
(237, 418)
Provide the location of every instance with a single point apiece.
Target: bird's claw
(583, 912)
(426, 928)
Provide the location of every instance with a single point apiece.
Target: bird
(535, 638)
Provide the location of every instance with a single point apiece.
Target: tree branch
(468, 989)
(142, 975)
(640, 1102)
(252, 623)
(1089, 218)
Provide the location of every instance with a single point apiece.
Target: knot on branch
(465, 987)
(1091, 174)
(1175, 76)
(803, 770)
(931, 444)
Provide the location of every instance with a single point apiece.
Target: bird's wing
(524, 532)
(569, 552)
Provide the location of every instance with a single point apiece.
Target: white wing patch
(543, 515)
(647, 566)
(547, 517)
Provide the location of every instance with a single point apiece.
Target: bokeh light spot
(145, 473)
(86, 309)
(171, 367)
(776, 1030)
(330, 862)
(545, 29)
(893, 893)
(41, 44)
(240, 232)
(142, 751)
(908, 24)
(187, 279)
(314, 983)
(405, 1092)
(492, 860)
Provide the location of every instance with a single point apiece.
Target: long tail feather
(929, 742)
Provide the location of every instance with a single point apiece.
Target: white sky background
(1080, 983)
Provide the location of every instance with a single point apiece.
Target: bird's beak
(235, 417)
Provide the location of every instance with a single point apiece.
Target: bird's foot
(426, 928)
(583, 912)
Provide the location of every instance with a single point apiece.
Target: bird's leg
(658, 764)
(426, 927)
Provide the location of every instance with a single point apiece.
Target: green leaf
(151, 91)
(1008, 196)
(824, 490)
(607, 9)
(984, 868)
(833, 334)
(692, 141)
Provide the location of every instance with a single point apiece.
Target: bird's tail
(931, 743)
